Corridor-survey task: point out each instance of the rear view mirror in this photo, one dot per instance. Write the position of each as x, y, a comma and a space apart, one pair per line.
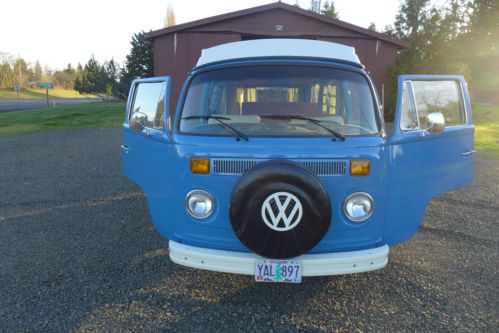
436, 123
138, 121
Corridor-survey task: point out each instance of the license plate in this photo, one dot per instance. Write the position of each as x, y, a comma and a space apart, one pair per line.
270, 270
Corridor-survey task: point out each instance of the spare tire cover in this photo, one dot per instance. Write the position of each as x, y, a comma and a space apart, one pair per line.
280, 210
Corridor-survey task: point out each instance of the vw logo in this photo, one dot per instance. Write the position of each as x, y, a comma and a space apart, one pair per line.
282, 211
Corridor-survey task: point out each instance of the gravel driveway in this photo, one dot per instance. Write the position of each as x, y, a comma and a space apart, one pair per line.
79, 253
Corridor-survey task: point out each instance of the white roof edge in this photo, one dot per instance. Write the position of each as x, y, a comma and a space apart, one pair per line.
261, 48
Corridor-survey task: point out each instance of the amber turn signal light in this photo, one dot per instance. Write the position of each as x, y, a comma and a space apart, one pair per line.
359, 167
200, 165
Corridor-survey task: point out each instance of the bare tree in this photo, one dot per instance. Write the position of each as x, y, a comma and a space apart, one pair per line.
170, 16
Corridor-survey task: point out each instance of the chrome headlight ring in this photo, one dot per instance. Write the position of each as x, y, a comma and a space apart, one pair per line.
199, 203
358, 206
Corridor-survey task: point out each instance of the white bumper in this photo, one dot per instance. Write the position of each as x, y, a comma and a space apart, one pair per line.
312, 264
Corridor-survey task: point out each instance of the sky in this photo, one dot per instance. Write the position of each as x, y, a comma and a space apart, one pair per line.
58, 32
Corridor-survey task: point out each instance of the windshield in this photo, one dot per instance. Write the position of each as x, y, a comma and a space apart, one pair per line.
269, 101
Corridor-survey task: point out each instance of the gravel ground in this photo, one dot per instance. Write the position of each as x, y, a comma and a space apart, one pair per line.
78, 253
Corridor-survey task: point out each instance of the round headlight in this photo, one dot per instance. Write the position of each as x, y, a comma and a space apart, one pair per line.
358, 206
199, 204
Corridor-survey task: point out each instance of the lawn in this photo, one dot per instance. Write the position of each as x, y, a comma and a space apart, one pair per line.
486, 120
62, 117
35, 93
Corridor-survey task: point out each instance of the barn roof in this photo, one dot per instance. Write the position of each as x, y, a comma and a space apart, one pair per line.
277, 5
278, 48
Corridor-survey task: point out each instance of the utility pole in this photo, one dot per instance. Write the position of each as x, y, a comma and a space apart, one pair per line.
20, 72
316, 6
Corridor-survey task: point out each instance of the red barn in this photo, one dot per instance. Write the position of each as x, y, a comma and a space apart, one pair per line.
177, 48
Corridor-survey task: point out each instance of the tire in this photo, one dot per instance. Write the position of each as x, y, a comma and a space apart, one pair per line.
269, 188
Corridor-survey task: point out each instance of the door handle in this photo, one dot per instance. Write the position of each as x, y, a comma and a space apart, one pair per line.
468, 153
125, 148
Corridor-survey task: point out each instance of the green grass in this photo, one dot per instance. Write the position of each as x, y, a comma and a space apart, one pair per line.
62, 118
35, 93
486, 120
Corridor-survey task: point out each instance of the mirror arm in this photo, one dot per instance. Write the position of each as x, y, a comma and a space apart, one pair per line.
425, 132
145, 128
140, 122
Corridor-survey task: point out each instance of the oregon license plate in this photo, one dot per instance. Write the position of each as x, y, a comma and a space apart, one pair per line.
271, 270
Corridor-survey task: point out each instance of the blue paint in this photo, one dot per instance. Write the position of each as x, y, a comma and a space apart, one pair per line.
407, 171
422, 167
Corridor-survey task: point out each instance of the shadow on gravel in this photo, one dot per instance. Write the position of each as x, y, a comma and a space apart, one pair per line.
458, 236
399, 298
69, 261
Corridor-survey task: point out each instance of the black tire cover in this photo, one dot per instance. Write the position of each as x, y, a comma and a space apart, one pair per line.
282, 180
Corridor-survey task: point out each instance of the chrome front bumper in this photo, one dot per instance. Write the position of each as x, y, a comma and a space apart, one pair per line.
313, 264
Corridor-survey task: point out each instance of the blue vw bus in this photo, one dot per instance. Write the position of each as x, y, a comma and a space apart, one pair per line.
277, 162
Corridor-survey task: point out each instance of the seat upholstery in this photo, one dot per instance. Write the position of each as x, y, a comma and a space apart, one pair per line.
281, 108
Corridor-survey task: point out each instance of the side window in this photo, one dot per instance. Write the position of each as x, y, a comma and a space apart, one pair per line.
150, 100
428, 97
408, 117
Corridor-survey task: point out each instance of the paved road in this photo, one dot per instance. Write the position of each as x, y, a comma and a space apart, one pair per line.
7, 105
78, 253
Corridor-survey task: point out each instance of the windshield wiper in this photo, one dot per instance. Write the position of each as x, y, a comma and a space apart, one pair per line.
312, 120
237, 133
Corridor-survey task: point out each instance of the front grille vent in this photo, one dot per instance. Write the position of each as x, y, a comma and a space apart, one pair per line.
234, 167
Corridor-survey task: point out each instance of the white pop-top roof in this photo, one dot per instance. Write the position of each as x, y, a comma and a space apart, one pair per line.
261, 48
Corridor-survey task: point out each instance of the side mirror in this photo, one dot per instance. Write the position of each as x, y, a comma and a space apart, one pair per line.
436, 123
138, 122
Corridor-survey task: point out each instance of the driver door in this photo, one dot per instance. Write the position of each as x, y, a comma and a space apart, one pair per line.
426, 158
146, 136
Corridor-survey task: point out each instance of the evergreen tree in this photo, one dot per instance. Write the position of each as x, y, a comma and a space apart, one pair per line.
410, 19
372, 26
94, 80
329, 9
139, 62
112, 71
79, 74
77, 84
484, 22
84, 86
37, 72
69, 70
433, 32
482, 37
